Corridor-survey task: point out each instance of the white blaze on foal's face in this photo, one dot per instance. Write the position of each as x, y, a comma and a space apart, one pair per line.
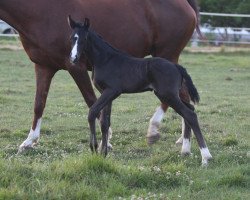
73, 54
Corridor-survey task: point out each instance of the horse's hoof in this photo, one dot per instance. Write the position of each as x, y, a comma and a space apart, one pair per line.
22, 149
153, 138
179, 141
204, 162
110, 147
185, 153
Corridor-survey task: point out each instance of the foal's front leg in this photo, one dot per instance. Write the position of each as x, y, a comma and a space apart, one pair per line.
106, 97
82, 79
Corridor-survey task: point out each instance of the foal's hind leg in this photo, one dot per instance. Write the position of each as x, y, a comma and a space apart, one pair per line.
186, 130
191, 118
44, 76
186, 140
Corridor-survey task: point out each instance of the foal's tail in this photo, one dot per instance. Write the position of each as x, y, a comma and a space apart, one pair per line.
194, 95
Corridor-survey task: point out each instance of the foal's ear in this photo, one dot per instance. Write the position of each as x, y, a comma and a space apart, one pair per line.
71, 22
86, 23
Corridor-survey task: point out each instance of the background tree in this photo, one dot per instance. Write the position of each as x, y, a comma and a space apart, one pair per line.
225, 6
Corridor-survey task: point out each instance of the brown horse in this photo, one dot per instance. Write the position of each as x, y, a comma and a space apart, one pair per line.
158, 27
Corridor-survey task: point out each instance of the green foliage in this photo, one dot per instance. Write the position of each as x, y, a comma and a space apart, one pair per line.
225, 6
230, 141
62, 167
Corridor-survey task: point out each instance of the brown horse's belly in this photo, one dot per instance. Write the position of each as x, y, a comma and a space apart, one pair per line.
174, 25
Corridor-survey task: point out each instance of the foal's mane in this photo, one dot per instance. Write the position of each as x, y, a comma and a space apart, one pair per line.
107, 46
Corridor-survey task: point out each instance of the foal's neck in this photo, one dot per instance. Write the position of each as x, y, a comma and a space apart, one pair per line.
98, 51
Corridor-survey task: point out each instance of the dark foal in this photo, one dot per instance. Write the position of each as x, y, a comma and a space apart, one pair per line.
115, 72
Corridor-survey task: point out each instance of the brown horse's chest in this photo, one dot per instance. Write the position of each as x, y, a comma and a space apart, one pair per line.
40, 56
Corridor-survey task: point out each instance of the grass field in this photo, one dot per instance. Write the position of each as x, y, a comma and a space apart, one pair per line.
62, 167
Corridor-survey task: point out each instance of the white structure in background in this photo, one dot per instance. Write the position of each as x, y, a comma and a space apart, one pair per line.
223, 35
6, 28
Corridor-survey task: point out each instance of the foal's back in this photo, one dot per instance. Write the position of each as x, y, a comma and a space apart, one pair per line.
164, 76
132, 75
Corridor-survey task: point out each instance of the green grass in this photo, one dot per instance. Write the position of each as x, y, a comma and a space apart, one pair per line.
62, 167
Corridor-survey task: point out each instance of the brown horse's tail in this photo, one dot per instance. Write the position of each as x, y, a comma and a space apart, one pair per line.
194, 5
193, 93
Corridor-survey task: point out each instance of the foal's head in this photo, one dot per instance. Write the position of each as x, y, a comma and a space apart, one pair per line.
78, 38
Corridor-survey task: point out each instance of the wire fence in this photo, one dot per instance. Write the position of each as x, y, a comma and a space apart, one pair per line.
216, 36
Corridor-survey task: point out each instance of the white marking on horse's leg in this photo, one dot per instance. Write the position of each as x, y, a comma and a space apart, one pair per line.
155, 121
186, 146
32, 138
73, 53
180, 140
205, 154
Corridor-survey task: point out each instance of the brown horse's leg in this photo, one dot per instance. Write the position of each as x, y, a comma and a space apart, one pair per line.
81, 77
44, 76
153, 134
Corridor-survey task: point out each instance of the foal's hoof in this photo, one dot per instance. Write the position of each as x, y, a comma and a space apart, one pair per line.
110, 147
151, 139
206, 156
204, 162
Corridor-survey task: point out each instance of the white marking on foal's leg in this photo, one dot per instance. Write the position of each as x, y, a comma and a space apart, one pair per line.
73, 53
186, 146
205, 154
180, 140
110, 147
32, 138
